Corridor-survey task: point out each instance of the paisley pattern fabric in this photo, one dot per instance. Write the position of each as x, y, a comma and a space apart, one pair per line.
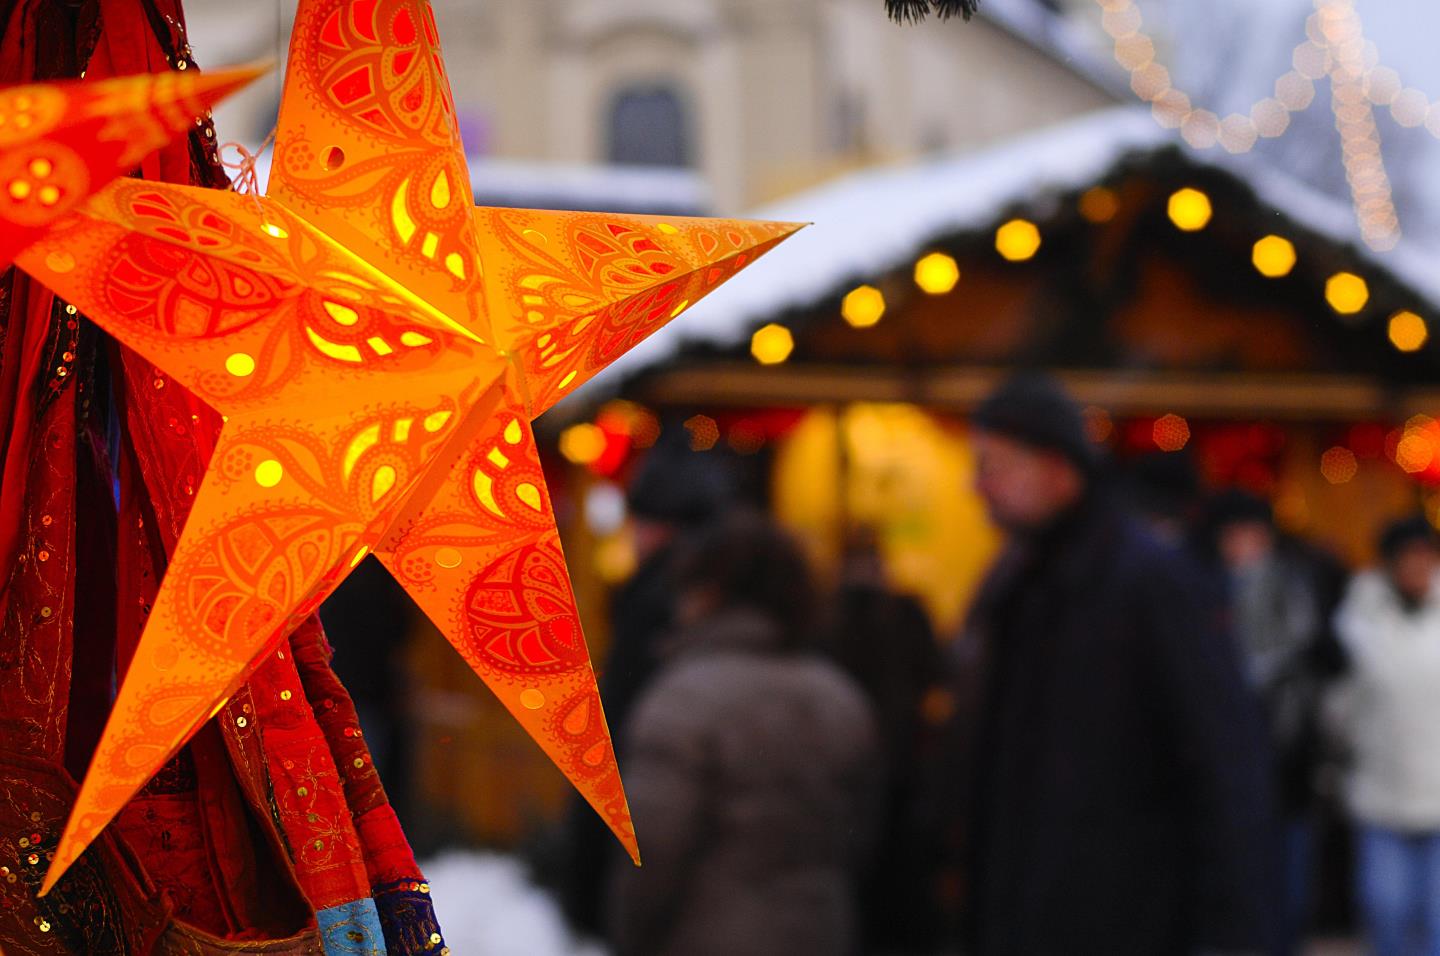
215, 854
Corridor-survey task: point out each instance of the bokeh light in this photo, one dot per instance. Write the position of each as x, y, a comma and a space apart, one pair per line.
1416, 451
863, 307
1189, 209
1099, 204
704, 432
645, 428
1347, 293
1339, 465
1416, 447
1018, 240
1408, 331
937, 273
582, 444
1274, 256
1171, 433
772, 344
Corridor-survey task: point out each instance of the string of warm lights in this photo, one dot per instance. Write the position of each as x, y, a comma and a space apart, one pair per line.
1313, 59
1355, 120
1334, 47
1019, 240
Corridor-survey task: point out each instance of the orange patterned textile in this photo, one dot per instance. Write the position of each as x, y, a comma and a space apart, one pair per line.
379, 348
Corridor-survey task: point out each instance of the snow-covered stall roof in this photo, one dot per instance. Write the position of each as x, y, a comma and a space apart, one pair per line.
876, 221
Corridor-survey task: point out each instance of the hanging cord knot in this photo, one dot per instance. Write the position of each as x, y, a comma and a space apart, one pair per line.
245, 181
913, 11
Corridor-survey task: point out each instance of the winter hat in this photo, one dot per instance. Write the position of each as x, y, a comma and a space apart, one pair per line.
676, 485
1405, 533
1033, 409
1238, 506
1163, 483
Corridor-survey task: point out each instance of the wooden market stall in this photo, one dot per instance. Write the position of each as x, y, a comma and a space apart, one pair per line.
1195, 309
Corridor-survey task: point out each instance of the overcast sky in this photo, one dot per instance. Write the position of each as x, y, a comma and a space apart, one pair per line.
1233, 50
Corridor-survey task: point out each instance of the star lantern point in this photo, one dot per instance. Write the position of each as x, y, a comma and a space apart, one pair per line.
61, 142
380, 348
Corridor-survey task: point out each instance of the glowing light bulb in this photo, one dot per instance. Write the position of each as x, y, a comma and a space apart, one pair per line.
1099, 204
1408, 332
863, 307
1017, 240
1189, 209
582, 444
937, 273
1347, 293
1273, 256
772, 345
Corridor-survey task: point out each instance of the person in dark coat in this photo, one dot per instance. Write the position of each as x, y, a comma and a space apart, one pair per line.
1119, 798
751, 768
884, 640
1279, 601
675, 492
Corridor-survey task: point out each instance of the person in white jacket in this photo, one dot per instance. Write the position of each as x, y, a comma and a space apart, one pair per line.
1390, 626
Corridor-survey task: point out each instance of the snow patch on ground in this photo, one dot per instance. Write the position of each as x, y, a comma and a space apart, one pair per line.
488, 906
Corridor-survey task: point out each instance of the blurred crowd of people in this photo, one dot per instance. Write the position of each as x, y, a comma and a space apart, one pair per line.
1157, 702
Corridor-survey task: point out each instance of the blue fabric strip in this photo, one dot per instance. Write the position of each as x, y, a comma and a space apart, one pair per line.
352, 929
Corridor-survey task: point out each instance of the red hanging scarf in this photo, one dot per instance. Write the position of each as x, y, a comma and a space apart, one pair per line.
284, 758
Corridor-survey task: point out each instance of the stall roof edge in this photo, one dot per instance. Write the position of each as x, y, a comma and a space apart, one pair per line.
873, 221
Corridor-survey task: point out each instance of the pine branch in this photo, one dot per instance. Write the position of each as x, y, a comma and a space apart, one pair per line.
913, 11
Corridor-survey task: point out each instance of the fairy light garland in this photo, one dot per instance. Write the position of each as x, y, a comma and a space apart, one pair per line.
1335, 48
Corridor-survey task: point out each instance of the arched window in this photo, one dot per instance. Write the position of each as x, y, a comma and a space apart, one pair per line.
649, 126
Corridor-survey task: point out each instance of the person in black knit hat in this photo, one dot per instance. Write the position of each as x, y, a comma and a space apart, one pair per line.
1034, 410
1108, 762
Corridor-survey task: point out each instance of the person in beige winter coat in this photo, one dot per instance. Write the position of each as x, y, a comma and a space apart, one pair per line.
751, 768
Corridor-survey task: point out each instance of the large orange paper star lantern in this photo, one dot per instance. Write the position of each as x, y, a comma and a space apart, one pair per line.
60, 142
379, 348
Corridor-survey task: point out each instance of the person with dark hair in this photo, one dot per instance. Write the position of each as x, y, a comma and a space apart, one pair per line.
750, 765
1390, 625
1278, 607
675, 492
1118, 785
1163, 489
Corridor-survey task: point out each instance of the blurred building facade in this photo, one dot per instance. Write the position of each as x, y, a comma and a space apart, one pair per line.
755, 98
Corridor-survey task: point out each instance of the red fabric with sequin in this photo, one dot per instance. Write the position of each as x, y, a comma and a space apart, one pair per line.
79, 574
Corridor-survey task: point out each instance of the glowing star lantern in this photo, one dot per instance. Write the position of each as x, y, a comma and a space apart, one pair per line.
379, 347
60, 142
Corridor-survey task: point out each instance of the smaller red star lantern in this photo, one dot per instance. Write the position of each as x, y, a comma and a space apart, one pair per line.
61, 142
